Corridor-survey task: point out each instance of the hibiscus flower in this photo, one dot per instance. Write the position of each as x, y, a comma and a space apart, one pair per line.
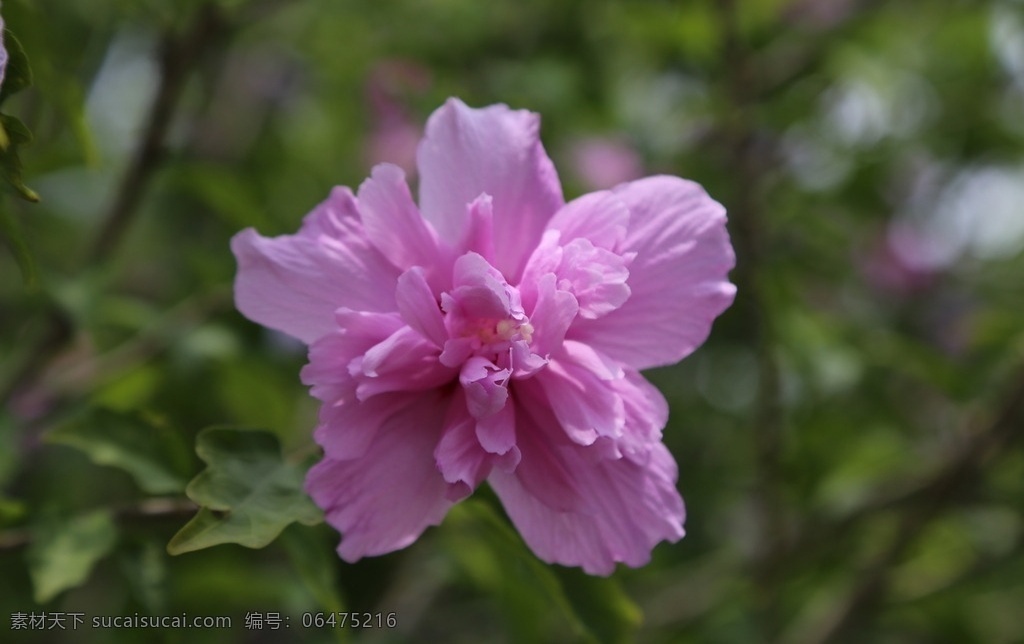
494, 333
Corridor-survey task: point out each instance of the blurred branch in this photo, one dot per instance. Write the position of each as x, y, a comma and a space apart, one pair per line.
180, 53
946, 482
173, 324
793, 58
56, 331
155, 508
747, 163
921, 506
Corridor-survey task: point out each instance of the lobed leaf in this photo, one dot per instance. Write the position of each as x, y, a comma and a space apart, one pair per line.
247, 494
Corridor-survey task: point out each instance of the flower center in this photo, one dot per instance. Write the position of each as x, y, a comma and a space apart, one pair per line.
484, 317
501, 331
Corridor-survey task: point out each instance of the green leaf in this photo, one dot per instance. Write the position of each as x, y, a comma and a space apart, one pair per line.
316, 563
497, 561
9, 447
248, 494
18, 74
145, 569
13, 135
63, 553
604, 608
11, 510
152, 453
11, 233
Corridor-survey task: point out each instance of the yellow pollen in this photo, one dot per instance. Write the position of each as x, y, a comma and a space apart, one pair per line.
505, 329
526, 330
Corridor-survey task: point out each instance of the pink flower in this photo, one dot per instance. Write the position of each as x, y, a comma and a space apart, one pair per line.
494, 333
604, 162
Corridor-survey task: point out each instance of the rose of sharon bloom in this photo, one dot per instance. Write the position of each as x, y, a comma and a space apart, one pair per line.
494, 332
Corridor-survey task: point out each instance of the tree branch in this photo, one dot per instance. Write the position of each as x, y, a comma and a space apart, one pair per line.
180, 53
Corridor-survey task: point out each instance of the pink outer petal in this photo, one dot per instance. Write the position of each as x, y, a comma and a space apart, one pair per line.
646, 413
585, 406
494, 150
600, 217
383, 500
589, 511
678, 279
295, 283
347, 428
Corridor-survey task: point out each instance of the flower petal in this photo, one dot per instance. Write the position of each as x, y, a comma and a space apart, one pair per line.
584, 405
404, 361
597, 277
418, 306
484, 384
329, 357
552, 316
479, 236
480, 290
295, 283
347, 428
646, 414
608, 510
393, 223
678, 279
600, 217
459, 456
494, 150
383, 500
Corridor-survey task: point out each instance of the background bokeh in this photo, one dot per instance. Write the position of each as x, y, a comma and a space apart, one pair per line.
848, 438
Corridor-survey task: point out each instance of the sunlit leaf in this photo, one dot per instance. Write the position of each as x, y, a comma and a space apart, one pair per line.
11, 233
18, 74
248, 493
150, 452
11, 510
13, 135
63, 553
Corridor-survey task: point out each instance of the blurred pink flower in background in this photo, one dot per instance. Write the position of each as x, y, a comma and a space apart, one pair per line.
394, 135
602, 162
886, 266
494, 332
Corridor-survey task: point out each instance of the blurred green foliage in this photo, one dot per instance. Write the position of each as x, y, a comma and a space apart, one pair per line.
848, 438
